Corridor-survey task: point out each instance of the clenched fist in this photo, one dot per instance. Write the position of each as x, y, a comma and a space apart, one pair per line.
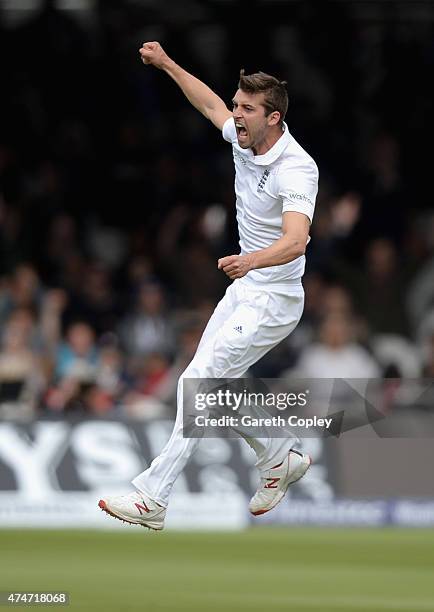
153, 53
236, 266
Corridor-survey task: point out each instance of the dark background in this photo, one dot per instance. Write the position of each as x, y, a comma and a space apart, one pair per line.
116, 196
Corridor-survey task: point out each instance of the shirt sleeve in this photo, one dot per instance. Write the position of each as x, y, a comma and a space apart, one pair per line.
229, 131
298, 190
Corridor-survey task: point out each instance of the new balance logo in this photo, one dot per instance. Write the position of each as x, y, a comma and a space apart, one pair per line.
239, 329
272, 484
140, 507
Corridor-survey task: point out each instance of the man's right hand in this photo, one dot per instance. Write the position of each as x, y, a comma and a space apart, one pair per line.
153, 53
197, 93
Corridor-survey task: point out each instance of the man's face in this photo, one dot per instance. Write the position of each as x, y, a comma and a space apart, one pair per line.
250, 121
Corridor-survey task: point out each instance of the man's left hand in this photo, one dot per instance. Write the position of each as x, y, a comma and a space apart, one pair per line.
235, 266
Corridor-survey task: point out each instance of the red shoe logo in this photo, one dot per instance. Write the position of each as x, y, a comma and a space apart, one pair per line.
272, 484
140, 507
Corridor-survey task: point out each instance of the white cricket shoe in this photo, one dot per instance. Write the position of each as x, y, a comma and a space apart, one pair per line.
275, 482
135, 508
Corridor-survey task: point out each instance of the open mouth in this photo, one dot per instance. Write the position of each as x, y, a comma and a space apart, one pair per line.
241, 131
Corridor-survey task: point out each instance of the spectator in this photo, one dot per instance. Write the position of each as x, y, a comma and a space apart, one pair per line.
379, 289
147, 329
21, 376
336, 354
77, 357
24, 290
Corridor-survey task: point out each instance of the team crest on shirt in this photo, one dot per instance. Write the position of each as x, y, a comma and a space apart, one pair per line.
263, 180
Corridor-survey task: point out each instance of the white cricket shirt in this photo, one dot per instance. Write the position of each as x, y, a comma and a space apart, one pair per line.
284, 179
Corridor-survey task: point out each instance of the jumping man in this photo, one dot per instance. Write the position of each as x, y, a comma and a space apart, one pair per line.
276, 183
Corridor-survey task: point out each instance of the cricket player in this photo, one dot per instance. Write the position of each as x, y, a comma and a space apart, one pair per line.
276, 183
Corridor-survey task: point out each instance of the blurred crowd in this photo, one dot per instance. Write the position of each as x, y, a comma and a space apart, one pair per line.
116, 198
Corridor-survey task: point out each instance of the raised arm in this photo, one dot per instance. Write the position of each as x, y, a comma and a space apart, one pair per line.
199, 94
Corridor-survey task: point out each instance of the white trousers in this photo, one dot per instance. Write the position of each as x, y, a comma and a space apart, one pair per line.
266, 316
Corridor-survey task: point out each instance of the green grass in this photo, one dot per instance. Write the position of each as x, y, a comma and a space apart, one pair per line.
258, 570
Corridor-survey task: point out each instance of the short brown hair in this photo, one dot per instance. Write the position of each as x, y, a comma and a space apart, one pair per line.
275, 94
